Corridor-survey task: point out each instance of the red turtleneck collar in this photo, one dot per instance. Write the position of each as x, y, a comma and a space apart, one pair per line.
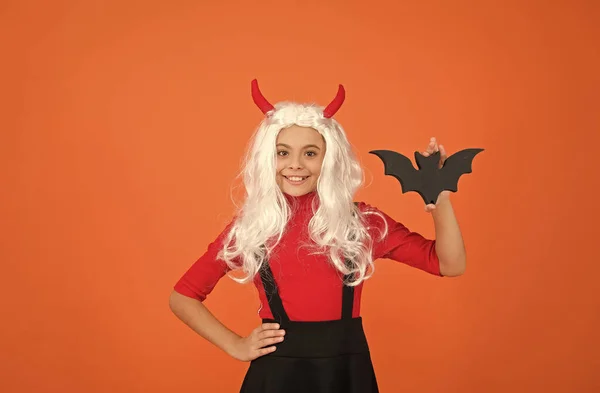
301, 202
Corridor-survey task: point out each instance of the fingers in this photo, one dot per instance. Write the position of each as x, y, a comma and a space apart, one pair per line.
256, 353
431, 148
429, 208
443, 153
266, 337
270, 334
261, 341
268, 326
264, 351
269, 341
269, 330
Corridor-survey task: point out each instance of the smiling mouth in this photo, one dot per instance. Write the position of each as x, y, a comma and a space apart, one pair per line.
296, 179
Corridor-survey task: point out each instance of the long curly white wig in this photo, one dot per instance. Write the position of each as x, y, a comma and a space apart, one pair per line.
337, 227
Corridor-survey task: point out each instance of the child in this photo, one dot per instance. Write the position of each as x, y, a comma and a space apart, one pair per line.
308, 248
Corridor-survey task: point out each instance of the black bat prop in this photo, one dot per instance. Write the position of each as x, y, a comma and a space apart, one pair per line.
429, 180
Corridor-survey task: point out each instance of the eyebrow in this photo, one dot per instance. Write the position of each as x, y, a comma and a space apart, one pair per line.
305, 147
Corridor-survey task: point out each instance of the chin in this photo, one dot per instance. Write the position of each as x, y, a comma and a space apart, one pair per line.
296, 191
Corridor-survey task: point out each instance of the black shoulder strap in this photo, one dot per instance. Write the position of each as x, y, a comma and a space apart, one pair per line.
272, 294
347, 294
347, 300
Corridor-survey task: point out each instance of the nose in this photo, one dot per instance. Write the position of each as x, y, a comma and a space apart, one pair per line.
295, 162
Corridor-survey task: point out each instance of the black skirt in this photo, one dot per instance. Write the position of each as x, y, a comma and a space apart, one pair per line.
315, 357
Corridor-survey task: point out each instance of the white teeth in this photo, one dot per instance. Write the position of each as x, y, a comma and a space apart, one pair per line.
295, 178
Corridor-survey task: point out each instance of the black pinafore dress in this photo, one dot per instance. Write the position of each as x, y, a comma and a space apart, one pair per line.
314, 357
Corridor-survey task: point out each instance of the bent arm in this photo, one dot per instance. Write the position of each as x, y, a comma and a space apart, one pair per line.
197, 316
192, 288
401, 244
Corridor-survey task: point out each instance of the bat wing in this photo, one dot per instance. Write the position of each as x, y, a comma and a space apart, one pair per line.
400, 167
455, 166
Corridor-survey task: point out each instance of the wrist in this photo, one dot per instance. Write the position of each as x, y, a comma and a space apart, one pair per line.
231, 344
443, 198
442, 207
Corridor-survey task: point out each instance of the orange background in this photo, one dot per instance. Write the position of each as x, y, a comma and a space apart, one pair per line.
123, 126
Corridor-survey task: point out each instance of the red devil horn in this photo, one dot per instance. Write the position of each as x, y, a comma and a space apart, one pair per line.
337, 102
259, 99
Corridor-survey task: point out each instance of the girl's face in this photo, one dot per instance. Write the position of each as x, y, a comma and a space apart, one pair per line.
300, 152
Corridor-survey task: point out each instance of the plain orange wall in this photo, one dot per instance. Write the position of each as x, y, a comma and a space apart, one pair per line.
123, 126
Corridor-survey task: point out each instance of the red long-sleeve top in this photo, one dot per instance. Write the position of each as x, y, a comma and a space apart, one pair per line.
309, 286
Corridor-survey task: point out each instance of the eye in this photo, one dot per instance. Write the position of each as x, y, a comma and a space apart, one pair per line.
311, 153
282, 153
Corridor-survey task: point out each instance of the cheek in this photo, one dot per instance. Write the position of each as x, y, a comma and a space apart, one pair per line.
279, 165
315, 167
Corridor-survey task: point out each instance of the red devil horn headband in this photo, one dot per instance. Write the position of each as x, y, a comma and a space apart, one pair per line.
265, 106
336, 103
259, 99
